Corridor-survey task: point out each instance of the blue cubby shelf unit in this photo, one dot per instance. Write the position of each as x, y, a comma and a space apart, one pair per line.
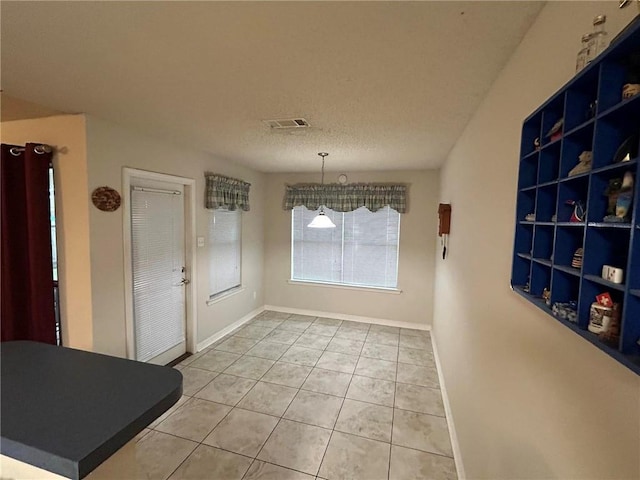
596, 119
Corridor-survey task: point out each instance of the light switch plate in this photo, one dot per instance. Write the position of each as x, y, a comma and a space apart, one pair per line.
200, 241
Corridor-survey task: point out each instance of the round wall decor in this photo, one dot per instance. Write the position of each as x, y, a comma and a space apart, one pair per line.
342, 179
106, 199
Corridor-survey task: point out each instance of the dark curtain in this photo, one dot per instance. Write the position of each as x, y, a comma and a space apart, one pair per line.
27, 271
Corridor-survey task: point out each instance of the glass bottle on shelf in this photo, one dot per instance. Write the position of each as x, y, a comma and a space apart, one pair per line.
581, 59
600, 40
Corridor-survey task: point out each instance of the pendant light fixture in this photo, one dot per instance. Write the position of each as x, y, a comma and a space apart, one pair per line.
321, 220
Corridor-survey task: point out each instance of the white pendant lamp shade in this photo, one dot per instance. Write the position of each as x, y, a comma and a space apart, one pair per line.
321, 220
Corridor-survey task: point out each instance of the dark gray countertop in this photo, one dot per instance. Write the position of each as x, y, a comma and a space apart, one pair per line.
67, 410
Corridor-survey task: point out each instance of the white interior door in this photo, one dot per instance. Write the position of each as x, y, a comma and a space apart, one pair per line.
158, 270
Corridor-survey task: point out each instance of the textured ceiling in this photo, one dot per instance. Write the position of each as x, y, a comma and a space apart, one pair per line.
385, 85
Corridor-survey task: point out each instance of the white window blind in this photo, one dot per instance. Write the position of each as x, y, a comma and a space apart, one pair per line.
157, 236
362, 250
225, 244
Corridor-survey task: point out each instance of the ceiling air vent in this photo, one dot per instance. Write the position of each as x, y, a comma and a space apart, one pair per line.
288, 123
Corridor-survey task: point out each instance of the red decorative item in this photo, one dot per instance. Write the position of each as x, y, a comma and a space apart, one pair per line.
604, 299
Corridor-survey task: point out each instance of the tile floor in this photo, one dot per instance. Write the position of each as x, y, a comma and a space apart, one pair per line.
291, 397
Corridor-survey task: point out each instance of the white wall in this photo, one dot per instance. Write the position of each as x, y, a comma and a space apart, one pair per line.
109, 149
418, 229
67, 134
530, 399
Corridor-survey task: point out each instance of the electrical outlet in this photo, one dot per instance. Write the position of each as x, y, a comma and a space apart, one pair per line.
200, 241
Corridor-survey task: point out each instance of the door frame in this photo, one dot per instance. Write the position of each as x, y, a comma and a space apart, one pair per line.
191, 318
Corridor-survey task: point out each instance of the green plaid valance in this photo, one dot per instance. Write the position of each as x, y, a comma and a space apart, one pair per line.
226, 192
346, 198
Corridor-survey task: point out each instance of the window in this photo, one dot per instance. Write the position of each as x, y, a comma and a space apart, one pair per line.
361, 251
225, 240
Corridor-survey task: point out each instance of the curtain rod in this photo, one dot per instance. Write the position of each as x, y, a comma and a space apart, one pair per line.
39, 149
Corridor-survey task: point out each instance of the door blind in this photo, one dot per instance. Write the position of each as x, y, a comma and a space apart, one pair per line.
157, 231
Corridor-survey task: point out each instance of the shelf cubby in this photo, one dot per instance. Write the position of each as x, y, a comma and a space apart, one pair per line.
551, 113
573, 145
599, 120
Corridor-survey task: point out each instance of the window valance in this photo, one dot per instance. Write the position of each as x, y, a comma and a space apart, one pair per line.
226, 192
346, 198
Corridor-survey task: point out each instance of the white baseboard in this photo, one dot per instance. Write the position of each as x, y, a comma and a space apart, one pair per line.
455, 446
353, 318
228, 329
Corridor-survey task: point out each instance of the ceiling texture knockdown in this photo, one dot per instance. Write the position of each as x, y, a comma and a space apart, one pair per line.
384, 85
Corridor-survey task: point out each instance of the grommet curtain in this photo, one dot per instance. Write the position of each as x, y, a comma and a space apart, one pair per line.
347, 198
28, 311
226, 192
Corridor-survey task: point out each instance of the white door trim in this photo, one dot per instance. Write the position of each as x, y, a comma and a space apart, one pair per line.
189, 253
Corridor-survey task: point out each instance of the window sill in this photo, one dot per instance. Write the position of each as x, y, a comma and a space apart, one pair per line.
392, 291
224, 295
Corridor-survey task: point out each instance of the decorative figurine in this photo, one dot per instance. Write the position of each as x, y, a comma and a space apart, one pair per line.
577, 258
620, 193
591, 110
631, 88
530, 217
556, 131
584, 163
578, 211
627, 150
546, 296
536, 144
566, 311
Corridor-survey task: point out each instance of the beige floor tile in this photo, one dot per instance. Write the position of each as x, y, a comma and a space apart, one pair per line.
301, 356
356, 325
193, 379
372, 367
314, 408
422, 432
268, 398
372, 390
266, 471
381, 338
414, 356
327, 381
152, 457
302, 318
227, 389
297, 446
175, 406
365, 420
295, 326
338, 362
384, 329
421, 343
351, 333
419, 399
212, 463
408, 464
319, 329
381, 352
413, 332
250, 367
345, 345
236, 345
256, 332
266, 349
287, 374
215, 360
355, 458
267, 322
283, 336
417, 375
308, 340
333, 322
194, 420
243, 432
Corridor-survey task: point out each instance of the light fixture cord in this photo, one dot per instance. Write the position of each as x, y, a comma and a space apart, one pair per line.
322, 178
